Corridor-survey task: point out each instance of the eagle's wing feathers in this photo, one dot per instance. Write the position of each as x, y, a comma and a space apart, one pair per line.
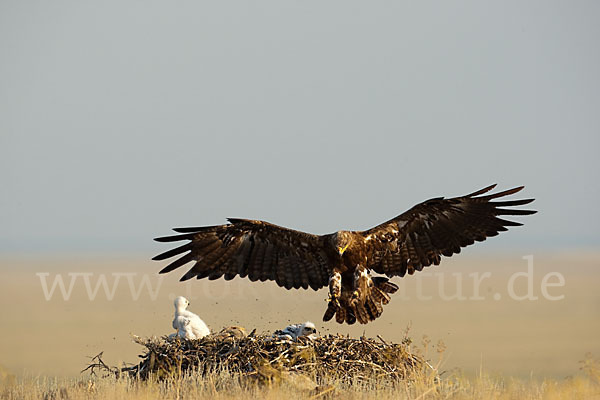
439, 226
256, 249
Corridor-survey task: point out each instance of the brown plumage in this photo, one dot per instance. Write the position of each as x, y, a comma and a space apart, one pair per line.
343, 260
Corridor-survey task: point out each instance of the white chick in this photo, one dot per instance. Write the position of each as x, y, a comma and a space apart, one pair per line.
187, 324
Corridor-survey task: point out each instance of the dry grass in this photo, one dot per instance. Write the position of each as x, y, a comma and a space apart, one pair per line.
225, 379
225, 385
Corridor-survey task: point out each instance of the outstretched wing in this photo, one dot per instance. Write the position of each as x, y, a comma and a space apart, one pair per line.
438, 227
256, 249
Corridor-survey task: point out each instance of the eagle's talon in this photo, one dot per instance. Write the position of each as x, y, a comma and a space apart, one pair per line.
334, 299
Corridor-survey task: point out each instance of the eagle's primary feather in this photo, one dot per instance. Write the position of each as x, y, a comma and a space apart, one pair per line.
254, 249
343, 260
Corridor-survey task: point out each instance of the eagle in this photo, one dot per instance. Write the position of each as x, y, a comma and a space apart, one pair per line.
345, 261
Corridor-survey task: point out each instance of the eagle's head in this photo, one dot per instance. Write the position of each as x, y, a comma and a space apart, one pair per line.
342, 240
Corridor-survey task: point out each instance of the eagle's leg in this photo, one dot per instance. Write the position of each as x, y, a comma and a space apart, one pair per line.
361, 286
335, 292
361, 283
335, 288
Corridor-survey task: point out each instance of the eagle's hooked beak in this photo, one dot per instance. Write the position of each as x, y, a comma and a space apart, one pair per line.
341, 250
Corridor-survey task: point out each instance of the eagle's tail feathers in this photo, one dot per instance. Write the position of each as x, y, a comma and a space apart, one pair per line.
350, 317
330, 312
381, 290
361, 312
369, 308
340, 315
374, 306
379, 296
384, 284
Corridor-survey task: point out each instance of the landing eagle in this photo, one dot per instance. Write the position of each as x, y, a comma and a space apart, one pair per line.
344, 260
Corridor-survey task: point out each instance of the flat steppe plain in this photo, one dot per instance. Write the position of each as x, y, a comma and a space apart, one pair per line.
474, 303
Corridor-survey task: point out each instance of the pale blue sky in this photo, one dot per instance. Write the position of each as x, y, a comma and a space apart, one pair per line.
122, 119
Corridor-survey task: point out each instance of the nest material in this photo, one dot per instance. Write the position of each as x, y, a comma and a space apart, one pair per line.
266, 358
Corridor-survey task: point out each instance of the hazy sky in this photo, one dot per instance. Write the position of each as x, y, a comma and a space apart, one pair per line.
122, 119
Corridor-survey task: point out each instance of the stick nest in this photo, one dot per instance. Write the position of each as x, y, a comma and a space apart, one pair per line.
266, 358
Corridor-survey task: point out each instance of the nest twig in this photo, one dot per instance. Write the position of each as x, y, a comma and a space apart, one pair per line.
97, 364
